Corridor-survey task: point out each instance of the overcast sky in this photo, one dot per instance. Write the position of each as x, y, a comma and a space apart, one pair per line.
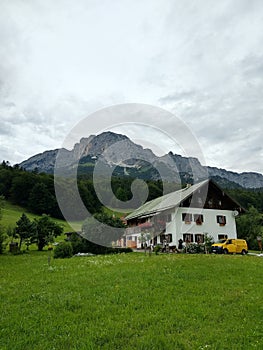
201, 60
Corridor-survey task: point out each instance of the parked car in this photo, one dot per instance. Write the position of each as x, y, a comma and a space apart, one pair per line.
230, 245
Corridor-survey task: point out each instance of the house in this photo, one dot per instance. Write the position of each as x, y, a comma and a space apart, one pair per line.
187, 214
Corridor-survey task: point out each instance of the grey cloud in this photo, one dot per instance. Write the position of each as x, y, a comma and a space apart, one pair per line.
252, 67
228, 125
61, 61
6, 129
9, 104
177, 96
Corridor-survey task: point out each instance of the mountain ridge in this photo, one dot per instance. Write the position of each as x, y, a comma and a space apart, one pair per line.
118, 151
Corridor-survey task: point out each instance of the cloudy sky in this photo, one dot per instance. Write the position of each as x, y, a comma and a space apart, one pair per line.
201, 60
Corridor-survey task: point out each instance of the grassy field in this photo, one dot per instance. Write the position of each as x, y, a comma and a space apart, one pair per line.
12, 213
131, 301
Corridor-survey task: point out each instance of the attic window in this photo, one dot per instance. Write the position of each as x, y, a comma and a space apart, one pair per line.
221, 220
199, 219
187, 217
210, 203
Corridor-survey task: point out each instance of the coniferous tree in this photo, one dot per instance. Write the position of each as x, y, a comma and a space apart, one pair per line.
25, 230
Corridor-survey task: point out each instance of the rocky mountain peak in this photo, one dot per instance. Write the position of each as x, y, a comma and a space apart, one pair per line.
100, 143
80, 147
117, 150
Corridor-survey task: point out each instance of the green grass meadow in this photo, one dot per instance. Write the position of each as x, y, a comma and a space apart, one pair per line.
131, 301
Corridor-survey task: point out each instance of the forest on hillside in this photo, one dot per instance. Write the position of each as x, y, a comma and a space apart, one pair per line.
35, 191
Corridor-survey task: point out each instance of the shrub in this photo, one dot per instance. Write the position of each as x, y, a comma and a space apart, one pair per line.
63, 250
2, 239
208, 241
157, 249
82, 245
194, 248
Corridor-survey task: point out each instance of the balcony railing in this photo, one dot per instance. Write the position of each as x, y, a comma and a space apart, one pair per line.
156, 227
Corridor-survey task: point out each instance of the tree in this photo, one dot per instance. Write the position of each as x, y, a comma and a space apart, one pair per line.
63, 250
88, 196
25, 230
2, 234
208, 241
103, 229
11, 232
144, 238
2, 239
1, 205
41, 201
249, 226
45, 231
6, 178
248, 197
21, 186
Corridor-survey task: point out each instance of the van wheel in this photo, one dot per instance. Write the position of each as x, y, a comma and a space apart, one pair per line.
244, 252
225, 251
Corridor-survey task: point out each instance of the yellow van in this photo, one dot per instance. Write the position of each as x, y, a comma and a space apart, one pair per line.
230, 245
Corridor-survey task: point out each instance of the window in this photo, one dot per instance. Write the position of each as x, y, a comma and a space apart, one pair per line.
169, 238
188, 237
222, 236
210, 203
199, 238
221, 220
166, 238
187, 218
199, 219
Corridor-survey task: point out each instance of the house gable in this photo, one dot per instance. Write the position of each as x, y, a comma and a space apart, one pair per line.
211, 197
205, 195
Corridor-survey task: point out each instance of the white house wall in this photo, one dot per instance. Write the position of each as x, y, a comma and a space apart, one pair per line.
177, 227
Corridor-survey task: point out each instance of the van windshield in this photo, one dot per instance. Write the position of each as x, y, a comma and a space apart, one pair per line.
221, 241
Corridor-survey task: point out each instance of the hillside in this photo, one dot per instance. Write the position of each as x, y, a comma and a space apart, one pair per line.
11, 214
122, 157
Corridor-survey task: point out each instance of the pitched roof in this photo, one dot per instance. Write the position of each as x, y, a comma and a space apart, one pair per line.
167, 201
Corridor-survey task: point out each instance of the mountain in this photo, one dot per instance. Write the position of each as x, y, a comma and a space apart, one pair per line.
246, 179
122, 157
